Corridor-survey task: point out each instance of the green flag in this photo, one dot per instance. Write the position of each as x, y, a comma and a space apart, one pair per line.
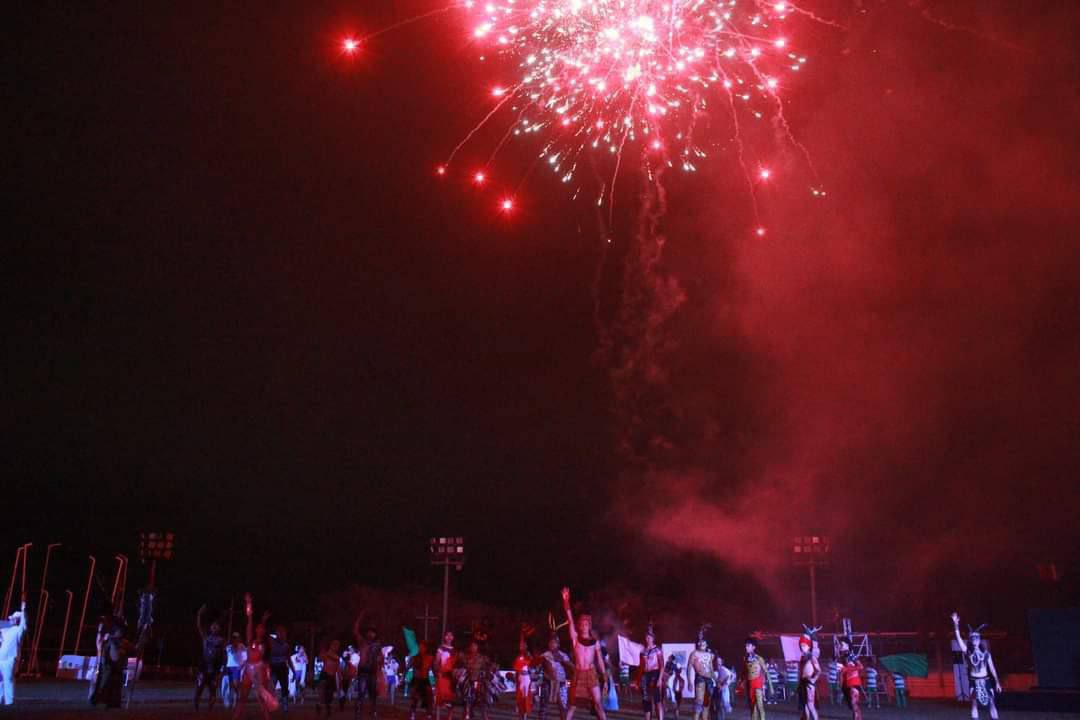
410, 640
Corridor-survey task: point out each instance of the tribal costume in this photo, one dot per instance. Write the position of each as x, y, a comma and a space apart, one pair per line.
701, 660
850, 679
809, 674
757, 676
985, 684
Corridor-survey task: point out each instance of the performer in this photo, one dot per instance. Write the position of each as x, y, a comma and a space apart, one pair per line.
850, 680
235, 657
980, 667
213, 657
109, 684
672, 680
368, 668
330, 678
522, 679
255, 675
588, 665
720, 705
702, 661
476, 687
420, 685
299, 674
280, 663
651, 663
757, 676
10, 637
555, 687
809, 674
446, 658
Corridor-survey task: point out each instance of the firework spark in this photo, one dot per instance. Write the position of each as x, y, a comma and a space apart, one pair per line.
607, 75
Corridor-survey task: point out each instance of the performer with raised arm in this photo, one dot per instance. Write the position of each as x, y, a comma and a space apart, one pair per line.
651, 664
985, 684
255, 674
850, 680
212, 659
757, 677
809, 674
588, 665
702, 660
10, 637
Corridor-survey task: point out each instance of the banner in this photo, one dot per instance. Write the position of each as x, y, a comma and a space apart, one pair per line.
630, 651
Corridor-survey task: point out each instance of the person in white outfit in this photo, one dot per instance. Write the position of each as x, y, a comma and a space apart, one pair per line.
10, 637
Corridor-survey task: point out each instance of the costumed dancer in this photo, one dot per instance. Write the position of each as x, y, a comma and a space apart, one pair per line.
522, 679
368, 668
757, 677
850, 678
985, 684
555, 686
329, 678
109, 684
720, 704
420, 686
588, 665
672, 681
476, 687
281, 667
235, 657
809, 674
703, 662
10, 638
213, 657
651, 664
446, 658
255, 675
299, 674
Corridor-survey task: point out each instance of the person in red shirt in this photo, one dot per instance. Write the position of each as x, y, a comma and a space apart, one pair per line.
522, 679
420, 688
850, 677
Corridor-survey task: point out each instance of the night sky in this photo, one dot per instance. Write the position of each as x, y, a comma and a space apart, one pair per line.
240, 306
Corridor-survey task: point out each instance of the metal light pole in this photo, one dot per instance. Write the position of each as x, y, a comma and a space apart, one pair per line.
86, 601
811, 551
35, 642
426, 617
20, 556
447, 551
43, 597
119, 584
63, 635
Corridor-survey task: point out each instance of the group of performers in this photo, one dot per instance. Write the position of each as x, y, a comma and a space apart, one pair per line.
552, 679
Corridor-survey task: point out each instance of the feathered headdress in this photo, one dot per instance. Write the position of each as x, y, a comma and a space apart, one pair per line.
705, 627
807, 638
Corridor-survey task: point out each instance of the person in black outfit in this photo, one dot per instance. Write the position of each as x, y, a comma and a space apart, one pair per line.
212, 659
281, 663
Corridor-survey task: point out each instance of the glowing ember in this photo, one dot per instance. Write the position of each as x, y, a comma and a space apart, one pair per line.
350, 45
507, 205
479, 178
